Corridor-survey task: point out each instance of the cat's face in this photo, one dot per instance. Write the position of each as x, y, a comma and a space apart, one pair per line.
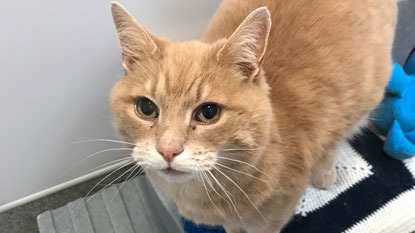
188, 106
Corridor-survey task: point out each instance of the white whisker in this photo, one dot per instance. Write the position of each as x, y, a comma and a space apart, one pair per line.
97, 153
142, 170
226, 193
213, 188
248, 164
246, 195
243, 149
106, 186
126, 179
109, 163
102, 140
247, 174
103, 180
207, 192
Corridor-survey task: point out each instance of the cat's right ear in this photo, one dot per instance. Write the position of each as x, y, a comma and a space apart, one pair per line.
246, 47
136, 42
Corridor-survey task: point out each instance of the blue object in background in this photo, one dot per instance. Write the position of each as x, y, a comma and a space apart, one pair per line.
395, 116
191, 227
410, 63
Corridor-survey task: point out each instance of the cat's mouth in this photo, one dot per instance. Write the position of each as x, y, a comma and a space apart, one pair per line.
173, 172
175, 176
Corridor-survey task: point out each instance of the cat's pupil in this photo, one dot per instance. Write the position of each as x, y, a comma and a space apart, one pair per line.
209, 111
147, 107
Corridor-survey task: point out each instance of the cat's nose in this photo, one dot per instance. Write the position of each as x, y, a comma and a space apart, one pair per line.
169, 152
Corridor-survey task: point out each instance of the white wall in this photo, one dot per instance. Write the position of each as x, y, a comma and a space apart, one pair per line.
58, 61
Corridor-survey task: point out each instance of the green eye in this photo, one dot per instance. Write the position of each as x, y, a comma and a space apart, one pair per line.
208, 113
146, 108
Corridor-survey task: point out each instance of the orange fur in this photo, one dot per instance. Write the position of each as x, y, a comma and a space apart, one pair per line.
325, 68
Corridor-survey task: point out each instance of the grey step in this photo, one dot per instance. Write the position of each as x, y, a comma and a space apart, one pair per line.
130, 207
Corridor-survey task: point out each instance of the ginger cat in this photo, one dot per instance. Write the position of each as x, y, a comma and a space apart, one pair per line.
235, 125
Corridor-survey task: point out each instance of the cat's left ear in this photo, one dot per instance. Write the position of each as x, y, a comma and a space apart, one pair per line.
246, 47
136, 42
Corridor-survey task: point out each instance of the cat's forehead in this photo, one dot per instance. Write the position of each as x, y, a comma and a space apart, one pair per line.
187, 58
187, 74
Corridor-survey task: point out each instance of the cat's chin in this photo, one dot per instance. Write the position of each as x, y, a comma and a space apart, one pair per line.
174, 176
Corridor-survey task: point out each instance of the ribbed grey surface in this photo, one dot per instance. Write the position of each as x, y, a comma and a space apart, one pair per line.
132, 207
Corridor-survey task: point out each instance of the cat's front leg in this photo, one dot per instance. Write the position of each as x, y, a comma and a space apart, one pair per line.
324, 172
232, 229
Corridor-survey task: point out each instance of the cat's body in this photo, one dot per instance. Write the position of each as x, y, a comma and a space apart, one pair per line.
326, 66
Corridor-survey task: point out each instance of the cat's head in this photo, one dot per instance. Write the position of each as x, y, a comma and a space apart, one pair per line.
187, 106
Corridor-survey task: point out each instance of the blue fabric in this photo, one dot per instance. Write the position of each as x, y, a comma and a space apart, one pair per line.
411, 136
191, 227
410, 63
397, 144
399, 81
395, 116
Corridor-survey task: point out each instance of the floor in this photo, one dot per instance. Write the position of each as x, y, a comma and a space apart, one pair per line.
23, 218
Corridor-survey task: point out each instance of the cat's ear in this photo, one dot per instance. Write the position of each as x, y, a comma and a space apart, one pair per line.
136, 42
247, 45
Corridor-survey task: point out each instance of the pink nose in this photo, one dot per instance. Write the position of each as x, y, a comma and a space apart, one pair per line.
169, 152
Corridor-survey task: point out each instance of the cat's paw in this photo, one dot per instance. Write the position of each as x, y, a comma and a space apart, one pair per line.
235, 230
324, 179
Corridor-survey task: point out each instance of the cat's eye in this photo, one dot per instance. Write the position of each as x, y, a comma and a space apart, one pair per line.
146, 108
208, 113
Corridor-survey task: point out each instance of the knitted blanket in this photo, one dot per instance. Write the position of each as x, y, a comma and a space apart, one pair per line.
373, 193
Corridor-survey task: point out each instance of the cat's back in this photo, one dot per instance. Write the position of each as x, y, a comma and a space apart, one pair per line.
310, 34
323, 57
300, 27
